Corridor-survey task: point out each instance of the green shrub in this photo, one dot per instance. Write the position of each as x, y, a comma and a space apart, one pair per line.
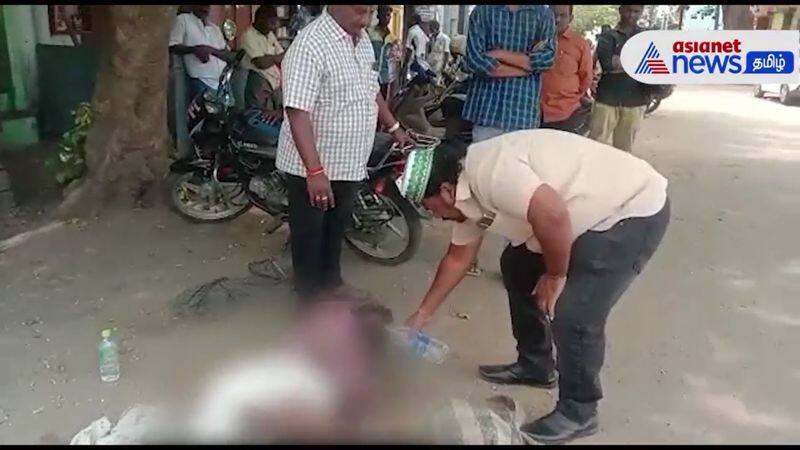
69, 162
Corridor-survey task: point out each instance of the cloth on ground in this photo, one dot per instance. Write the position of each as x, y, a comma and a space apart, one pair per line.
496, 422
135, 425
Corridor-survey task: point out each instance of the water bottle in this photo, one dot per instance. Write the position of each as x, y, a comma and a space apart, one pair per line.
108, 357
420, 344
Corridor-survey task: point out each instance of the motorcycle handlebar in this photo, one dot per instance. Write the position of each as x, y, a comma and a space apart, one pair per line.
239, 56
421, 141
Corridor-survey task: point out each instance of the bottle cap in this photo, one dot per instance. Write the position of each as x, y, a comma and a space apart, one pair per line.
106, 333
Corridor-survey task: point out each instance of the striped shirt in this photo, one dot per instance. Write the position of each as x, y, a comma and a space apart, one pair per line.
507, 103
325, 74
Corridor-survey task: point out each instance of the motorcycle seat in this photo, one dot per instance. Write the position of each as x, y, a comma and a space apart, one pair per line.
248, 129
253, 136
452, 106
383, 143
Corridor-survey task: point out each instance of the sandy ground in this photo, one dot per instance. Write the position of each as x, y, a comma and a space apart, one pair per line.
699, 349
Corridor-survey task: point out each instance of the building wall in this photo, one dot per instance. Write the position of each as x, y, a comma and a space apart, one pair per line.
789, 17
450, 19
42, 27
26, 26
21, 35
777, 21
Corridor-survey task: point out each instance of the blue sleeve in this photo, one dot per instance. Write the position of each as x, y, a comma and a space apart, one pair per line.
476, 61
543, 59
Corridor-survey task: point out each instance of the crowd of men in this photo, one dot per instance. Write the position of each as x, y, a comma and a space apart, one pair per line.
580, 218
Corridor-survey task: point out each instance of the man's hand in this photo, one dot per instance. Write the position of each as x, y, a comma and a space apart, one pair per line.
272, 117
519, 60
496, 53
203, 53
547, 291
320, 194
418, 320
538, 46
402, 138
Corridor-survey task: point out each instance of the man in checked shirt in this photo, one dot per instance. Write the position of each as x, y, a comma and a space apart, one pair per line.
508, 47
332, 102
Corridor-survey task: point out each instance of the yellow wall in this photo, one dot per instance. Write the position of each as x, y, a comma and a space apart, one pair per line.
396, 22
777, 21
780, 16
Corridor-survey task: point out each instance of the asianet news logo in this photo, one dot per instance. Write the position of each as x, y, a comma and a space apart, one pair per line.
712, 57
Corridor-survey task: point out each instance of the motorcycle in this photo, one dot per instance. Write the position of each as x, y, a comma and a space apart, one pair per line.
448, 83
412, 102
659, 94
456, 127
232, 170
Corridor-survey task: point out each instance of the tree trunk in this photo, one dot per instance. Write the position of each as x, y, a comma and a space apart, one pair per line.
737, 17
127, 146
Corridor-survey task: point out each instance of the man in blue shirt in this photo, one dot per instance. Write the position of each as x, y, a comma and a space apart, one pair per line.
508, 46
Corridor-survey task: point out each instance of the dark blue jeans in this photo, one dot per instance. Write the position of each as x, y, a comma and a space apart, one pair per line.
602, 267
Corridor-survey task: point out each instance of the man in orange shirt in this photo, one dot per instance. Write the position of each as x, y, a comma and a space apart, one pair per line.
569, 79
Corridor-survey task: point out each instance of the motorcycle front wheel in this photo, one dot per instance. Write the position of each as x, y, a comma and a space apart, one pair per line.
197, 198
388, 233
652, 105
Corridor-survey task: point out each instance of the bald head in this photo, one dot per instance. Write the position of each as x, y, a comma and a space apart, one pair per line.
352, 18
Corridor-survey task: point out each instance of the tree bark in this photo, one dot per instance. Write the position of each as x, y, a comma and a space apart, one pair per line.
127, 146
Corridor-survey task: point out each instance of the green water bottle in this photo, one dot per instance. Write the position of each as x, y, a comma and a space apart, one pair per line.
108, 357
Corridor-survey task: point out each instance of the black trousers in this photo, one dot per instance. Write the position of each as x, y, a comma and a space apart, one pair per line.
602, 267
316, 235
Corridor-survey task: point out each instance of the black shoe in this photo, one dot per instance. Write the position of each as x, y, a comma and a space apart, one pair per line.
489, 369
556, 428
515, 374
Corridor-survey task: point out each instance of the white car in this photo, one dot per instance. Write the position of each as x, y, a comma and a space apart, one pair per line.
787, 93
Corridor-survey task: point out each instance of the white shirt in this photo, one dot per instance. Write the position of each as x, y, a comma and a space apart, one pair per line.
190, 30
440, 48
325, 74
600, 184
417, 42
257, 45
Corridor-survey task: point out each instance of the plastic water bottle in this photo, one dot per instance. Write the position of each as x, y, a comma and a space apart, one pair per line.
108, 358
420, 344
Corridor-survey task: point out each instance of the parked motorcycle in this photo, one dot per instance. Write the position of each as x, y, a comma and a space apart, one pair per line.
232, 170
410, 103
450, 81
659, 93
456, 127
